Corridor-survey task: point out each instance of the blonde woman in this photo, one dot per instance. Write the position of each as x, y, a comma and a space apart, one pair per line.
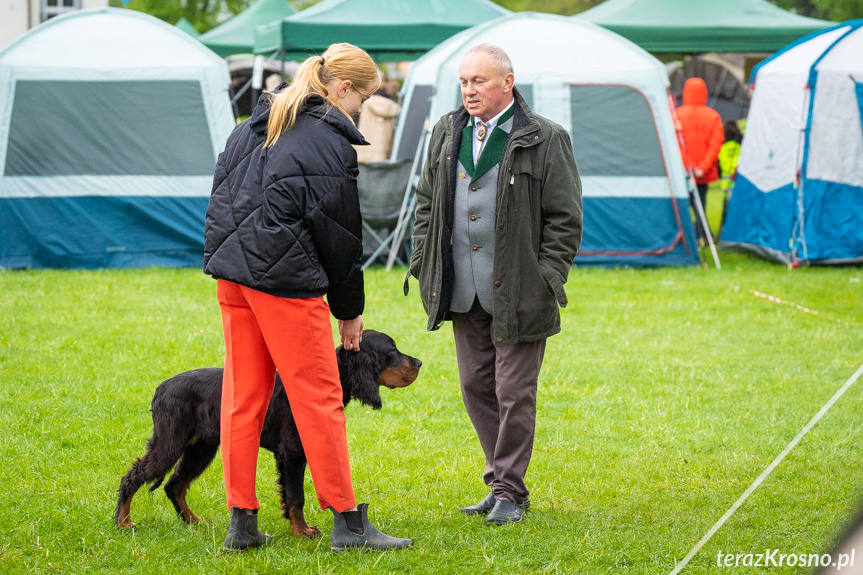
283, 228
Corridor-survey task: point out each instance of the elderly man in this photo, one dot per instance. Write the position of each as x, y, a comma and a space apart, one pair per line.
498, 223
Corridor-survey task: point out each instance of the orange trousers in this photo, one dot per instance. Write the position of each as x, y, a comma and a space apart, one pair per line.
264, 333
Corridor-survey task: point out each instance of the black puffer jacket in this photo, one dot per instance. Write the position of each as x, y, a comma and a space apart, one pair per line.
285, 220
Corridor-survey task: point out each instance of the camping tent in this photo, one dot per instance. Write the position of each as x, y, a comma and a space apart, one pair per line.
110, 124
237, 34
799, 189
701, 25
612, 97
389, 30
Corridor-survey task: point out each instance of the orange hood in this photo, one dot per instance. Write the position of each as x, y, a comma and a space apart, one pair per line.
695, 92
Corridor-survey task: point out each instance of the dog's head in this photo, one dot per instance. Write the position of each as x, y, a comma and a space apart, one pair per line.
379, 362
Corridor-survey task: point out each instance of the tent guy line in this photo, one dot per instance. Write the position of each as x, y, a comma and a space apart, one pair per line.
679, 567
775, 299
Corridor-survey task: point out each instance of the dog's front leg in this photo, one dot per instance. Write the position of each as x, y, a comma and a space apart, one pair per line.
292, 470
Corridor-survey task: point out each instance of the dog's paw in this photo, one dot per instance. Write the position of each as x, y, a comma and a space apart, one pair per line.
309, 532
126, 524
190, 518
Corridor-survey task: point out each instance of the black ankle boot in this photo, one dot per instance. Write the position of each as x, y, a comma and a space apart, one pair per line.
344, 538
243, 531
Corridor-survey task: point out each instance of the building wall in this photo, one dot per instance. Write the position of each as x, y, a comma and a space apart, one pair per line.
19, 16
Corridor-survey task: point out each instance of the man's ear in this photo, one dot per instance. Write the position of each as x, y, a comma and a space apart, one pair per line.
508, 82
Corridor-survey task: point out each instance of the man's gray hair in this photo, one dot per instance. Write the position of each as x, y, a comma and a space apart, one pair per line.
499, 58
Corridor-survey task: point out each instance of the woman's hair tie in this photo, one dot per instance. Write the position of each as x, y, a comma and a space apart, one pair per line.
322, 60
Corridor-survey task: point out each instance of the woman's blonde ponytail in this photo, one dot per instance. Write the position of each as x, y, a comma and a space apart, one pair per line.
340, 61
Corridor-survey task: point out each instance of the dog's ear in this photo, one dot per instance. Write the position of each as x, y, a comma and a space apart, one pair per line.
364, 374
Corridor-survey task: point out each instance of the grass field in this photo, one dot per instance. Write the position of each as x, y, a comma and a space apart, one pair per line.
668, 392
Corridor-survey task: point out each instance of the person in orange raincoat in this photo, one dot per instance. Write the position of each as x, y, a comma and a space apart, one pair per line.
703, 136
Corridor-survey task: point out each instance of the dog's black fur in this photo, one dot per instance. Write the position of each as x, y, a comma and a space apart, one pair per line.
186, 411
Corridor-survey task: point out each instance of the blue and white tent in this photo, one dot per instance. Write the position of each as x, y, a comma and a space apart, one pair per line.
799, 190
110, 124
612, 98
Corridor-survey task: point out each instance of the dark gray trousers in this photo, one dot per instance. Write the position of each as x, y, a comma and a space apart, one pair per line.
498, 387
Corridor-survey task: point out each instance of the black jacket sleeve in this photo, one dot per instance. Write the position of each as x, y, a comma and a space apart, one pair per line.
336, 228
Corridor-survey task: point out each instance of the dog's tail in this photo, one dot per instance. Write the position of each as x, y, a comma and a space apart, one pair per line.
157, 483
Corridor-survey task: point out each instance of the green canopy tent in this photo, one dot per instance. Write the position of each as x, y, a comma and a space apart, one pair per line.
237, 35
187, 27
389, 30
690, 26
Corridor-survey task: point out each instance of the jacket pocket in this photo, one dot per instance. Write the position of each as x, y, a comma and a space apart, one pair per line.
532, 300
428, 279
554, 284
415, 260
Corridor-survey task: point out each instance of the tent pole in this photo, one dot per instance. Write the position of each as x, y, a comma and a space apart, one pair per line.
404, 212
699, 210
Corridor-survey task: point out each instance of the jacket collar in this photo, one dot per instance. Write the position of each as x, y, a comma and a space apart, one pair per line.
316, 106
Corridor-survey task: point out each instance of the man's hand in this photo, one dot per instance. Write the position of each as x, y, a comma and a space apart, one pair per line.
351, 332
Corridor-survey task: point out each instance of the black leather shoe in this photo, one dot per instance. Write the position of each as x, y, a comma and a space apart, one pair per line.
507, 512
482, 507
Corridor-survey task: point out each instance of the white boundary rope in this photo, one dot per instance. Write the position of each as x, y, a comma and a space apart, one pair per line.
767, 471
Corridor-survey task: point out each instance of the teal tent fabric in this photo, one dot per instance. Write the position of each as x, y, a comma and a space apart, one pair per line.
187, 27
389, 30
702, 25
237, 35
145, 143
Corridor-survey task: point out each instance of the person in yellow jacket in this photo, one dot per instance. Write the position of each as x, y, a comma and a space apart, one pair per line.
729, 153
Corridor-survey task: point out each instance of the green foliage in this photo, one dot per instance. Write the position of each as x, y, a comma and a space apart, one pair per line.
666, 394
841, 10
837, 10
802, 7
563, 7
203, 14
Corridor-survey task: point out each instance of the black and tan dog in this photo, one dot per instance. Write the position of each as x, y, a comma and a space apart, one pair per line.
186, 411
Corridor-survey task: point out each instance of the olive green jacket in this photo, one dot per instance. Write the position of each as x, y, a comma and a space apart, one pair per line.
537, 230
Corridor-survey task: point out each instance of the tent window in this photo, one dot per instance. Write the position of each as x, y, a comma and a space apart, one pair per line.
613, 132
152, 128
526, 91
51, 8
415, 117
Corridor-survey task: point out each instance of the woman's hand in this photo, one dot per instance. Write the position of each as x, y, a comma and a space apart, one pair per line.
351, 332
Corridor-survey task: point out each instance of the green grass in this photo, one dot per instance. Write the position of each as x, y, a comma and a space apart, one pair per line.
668, 392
